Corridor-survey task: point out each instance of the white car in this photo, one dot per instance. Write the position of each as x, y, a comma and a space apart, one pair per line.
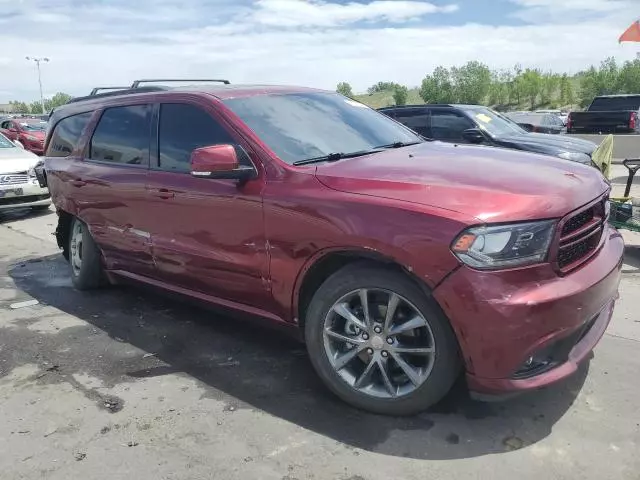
19, 187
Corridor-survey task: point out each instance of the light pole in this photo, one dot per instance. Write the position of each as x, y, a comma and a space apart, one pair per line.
38, 60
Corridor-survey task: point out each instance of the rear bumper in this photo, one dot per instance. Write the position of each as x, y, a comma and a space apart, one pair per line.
23, 195
502, 319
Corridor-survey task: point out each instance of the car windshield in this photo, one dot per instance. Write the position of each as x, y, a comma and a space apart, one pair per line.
302, 126
493, 123
34, 127
5, 142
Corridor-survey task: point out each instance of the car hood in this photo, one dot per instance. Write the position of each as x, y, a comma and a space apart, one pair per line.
16, 160
488, 184
553, 144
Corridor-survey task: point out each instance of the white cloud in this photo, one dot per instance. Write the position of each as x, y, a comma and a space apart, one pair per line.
299, 13
564, 11
113, 46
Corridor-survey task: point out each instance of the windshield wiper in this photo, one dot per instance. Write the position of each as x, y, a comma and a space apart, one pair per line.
398, 144
334, 157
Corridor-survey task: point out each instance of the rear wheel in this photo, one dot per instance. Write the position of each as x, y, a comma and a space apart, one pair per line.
379, 342
84, 257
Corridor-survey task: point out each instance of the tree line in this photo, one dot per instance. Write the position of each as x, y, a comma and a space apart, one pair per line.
475, 83
35, 107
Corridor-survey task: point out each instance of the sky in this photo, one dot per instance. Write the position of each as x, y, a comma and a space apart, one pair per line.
296, 42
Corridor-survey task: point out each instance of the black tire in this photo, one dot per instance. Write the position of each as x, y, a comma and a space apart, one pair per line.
446, 365
90, 274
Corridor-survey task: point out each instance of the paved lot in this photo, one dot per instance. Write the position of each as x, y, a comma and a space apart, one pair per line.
124, 383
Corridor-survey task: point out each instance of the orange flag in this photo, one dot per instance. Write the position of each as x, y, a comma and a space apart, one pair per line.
631, 34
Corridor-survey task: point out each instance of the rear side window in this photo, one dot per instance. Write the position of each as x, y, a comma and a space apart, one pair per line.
602, 104
182, 129
122, 136
66, 135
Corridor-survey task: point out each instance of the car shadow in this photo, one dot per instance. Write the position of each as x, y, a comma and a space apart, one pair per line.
251, 367
23, 213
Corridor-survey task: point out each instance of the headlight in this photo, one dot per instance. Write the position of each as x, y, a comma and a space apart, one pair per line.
502, 246
32, 172
31, 138
576, 157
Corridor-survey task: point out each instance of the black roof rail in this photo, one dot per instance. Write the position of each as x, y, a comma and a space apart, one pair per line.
136, 83
97, 89
115, 93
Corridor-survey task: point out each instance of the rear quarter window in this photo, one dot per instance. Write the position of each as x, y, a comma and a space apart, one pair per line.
66, 135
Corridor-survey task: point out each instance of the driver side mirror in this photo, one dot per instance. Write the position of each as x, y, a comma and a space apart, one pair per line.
473, 135
220, 162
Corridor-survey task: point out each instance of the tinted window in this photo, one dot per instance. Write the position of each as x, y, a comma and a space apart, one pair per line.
416, 119
603, 104
6, 124
122, 136
299, 126
184, 128
448, 125
66, 134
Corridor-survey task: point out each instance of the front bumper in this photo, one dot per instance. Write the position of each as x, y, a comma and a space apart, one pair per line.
504, 318
23, 195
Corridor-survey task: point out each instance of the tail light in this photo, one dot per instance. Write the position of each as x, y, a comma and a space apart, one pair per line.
633, 120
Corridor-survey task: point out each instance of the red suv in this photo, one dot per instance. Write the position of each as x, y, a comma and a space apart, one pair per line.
27, 132
400, 262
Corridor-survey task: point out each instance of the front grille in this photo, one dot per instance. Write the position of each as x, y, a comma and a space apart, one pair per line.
14, 178
580, 236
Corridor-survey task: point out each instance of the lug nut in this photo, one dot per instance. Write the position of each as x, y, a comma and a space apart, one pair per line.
385, 354
370, 351
390, 340
377, 329
365, 336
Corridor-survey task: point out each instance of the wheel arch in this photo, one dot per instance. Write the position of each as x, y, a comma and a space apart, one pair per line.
326, 263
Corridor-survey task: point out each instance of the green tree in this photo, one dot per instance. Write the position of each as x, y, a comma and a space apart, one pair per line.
471, 82
549, 90
629, 77
400, 94
382, 87
566, 91
437, 87
343, 88
35, 108
531, 85
19, 107
515, 87
56, 101
604, 80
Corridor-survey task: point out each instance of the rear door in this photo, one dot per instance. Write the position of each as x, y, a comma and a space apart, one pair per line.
208, 235
110, 187
9, 130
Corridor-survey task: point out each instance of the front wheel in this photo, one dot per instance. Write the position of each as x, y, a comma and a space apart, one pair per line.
84, 257
379, 342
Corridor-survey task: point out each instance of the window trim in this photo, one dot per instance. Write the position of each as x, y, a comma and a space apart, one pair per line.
87, 149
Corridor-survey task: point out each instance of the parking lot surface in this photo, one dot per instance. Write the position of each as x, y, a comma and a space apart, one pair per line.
127, 383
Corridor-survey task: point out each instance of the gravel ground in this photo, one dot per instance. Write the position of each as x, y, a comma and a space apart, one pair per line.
126, 383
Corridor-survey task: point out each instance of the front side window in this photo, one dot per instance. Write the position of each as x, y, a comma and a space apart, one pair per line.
66, 135
182, 129
122, 136
301, 126
416, 119
448, 125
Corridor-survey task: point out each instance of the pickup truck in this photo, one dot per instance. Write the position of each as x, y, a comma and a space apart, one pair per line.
607, 114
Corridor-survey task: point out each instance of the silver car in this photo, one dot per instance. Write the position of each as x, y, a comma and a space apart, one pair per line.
19, 187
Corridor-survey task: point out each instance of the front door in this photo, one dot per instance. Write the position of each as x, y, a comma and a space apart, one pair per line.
9, 130
207, 235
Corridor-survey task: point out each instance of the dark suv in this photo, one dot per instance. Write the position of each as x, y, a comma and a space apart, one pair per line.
476, 124
400, 262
